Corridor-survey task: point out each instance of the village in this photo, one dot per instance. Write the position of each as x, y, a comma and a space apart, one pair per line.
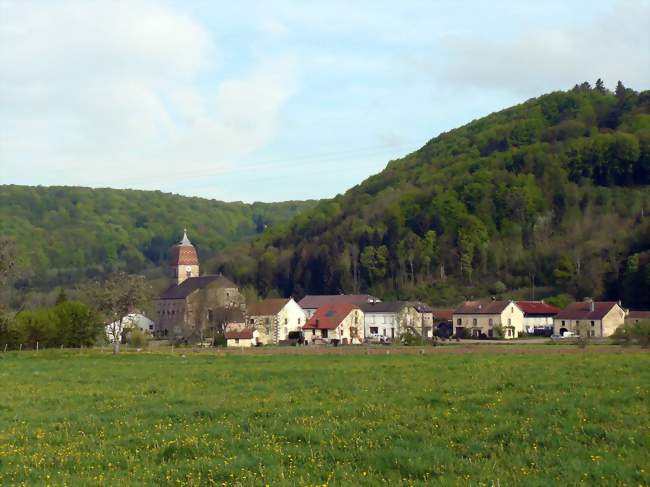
196, 308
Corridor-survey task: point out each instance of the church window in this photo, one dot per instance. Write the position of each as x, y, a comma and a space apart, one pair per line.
286, 321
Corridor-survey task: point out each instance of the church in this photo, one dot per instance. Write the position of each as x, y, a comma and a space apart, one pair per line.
195, 307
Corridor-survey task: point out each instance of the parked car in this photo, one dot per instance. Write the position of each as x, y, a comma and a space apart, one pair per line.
564, 336
376, 338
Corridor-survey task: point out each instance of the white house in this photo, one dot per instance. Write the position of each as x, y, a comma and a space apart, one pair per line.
274, 319
240, 338
382, 320
336, 323
538, 315
132, 320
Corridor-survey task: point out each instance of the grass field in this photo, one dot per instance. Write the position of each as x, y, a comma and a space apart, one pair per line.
490, 418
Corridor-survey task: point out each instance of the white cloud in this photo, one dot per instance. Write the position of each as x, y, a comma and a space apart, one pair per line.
115, 93
612, 47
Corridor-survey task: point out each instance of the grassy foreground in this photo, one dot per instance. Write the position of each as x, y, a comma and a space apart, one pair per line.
70, 418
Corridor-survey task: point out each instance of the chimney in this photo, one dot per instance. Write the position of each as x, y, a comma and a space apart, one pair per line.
591, 306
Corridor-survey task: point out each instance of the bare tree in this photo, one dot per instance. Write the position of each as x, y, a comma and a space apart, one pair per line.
115, 298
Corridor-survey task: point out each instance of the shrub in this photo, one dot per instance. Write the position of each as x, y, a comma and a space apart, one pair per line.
137, 338
78, 324
410, 338
630, 333
498, 331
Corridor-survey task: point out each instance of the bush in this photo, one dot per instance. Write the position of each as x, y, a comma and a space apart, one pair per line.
498, 331
137, 338
410, 338
78, 324
630, 333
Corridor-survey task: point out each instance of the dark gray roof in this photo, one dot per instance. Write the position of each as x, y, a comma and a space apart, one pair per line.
381, 307
188, 286
315, 301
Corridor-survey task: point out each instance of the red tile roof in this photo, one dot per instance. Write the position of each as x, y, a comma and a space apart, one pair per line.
481, 308
582, 310
537, 308
316, 301
267, 307
442, 313
184, 255
330, 316
241, 334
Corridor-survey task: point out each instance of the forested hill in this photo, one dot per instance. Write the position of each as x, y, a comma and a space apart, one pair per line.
553, 192
64, 235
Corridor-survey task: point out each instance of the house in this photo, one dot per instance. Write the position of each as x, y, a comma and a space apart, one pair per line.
442, 319
596, 318
129, 322
480, 318
636, 316
336, 323
273, 319
239, 338
195, 306
538, 316
311, 303
382, 320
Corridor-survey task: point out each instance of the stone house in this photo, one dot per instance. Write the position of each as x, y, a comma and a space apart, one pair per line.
636, 316
312, 302
336, 323
596, 318
273, 319
442, 323
538, 316
480, 318
194, 306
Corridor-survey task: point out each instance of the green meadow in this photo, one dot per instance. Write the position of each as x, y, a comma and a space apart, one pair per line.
541, 417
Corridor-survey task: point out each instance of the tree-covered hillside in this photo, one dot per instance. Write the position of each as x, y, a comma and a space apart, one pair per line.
64, 235
553, 193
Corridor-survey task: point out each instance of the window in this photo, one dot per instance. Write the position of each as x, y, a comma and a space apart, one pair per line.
298, 320
592, 333
236, 340
323, 333
267, 321
459, 322
490, 322
593, 323
151, 327
356, 319
374, 330
252, 321
286, 321
474, 322
210, 315
384, 331
509, 322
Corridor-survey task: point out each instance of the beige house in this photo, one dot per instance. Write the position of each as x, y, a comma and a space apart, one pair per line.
195, 307
480, 318
336, 323
239, 338
274, 319
596, 318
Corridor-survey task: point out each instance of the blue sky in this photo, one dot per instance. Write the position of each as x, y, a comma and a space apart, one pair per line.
277, 100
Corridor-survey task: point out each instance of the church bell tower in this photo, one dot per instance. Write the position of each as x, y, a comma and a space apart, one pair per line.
184, 260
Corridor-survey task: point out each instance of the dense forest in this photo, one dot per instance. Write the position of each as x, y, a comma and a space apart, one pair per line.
549, 197
65, 235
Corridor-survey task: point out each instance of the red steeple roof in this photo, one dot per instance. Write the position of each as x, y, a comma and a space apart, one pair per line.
184, 253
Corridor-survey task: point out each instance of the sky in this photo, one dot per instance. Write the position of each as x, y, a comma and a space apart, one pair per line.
276, 100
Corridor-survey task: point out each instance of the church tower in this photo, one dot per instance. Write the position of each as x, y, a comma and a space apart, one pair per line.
184, 260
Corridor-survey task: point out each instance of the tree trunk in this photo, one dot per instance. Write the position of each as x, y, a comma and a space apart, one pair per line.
116, 346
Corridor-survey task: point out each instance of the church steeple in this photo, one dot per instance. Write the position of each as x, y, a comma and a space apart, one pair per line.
185, 261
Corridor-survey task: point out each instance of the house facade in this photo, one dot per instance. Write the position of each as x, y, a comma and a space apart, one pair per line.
274, 319
312, 302
442, 323
596, 318
479, 319
382, 320
336, 323
538, 316
195, 306
239, 338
